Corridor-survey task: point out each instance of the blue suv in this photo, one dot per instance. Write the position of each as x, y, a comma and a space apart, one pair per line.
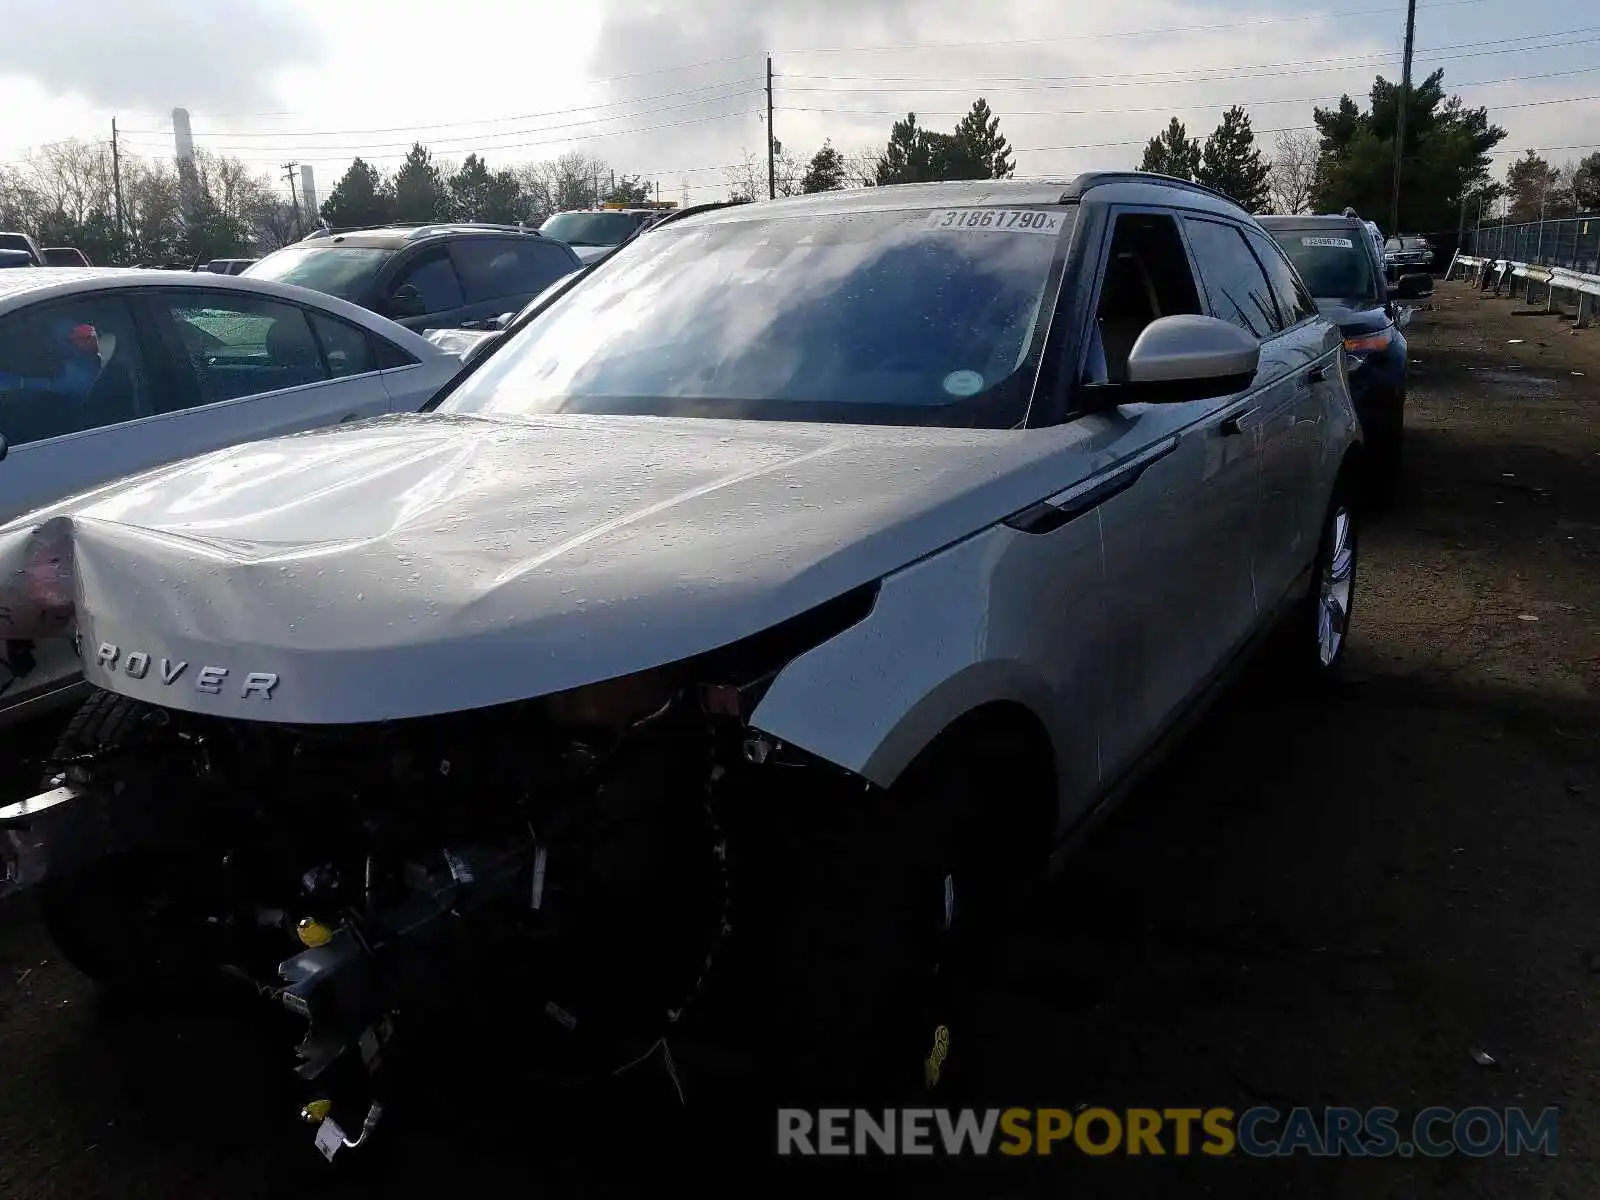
1341, 266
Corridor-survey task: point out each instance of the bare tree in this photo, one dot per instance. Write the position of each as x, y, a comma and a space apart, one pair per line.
273, 225
860, 168
72, 179
152, 213
1294, 171
747, 179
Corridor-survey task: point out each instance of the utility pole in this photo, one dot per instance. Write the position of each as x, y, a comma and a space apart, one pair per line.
1544, 197
1400, 117
116, 180
289, 168
772, 167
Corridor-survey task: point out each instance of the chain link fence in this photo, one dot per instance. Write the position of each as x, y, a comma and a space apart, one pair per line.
1571, 242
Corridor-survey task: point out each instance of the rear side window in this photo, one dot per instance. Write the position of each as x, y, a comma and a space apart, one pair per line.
1294, 302
1234, 282
68, 367
491, 268
390, 356
345, 348
241, 345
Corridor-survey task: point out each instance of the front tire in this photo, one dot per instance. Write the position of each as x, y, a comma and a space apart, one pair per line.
903, 921
108, 918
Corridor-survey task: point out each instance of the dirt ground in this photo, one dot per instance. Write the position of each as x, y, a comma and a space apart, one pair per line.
1314, 903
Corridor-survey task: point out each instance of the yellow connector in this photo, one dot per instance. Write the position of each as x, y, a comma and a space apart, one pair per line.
316, 1112
313, 933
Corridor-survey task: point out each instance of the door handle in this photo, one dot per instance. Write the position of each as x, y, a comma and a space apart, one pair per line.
1316, 374
1233, 426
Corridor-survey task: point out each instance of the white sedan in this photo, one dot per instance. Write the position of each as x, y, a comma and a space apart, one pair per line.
104, 373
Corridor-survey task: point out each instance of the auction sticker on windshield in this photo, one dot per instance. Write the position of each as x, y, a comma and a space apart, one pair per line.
996, 220
1339, 243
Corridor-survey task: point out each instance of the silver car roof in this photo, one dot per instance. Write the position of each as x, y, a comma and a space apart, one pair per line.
1119, 187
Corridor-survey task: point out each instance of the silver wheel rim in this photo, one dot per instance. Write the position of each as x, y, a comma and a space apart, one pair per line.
1334, 588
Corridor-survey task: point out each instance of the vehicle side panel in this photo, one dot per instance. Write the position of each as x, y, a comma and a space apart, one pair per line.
1003, 616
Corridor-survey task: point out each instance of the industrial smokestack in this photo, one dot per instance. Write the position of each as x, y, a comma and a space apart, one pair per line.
188, 177
182, 136
308, 193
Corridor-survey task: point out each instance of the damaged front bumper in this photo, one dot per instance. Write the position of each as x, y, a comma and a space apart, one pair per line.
25, 837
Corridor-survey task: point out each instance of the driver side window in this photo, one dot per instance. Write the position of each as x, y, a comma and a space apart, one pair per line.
1147, 277
435, 281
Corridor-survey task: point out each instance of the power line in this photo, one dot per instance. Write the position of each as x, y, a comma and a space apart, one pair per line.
642, 172
558, 112
966, 89
1259, 132
504, 133
1156, 108
398, 149
1501, 46
1126, 33
493, 141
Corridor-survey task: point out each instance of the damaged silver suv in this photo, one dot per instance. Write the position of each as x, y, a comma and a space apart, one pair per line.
723, 649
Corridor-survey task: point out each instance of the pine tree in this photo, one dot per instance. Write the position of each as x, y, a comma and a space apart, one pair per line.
1586, 183
1172, 152
470, 189
825, 173
1231, 164
908, 156
1530, 182
420, 192
981, 145
358, 199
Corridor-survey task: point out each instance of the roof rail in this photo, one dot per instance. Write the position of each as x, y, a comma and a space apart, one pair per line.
1093, 179
429, 227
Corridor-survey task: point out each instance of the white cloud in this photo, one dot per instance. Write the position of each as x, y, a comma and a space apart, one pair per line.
523, 81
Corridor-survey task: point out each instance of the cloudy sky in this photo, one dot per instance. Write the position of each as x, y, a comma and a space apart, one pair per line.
675, 90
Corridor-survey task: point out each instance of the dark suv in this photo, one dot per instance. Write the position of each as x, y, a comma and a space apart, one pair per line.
1339, 263
25, 244
439, 276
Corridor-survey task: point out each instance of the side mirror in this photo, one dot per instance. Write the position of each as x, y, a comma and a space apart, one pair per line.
1190, 357
5, 448
406, 301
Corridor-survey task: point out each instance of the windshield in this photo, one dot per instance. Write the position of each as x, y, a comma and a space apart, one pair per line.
903, 318
590, 228
343, 271
1334, 264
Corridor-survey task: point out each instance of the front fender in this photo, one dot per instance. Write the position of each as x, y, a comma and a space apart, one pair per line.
983, 621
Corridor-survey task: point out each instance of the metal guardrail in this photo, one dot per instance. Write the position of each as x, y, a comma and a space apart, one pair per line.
1584, 286
1571, 242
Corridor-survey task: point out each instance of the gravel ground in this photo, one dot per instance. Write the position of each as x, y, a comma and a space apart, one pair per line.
1329, 902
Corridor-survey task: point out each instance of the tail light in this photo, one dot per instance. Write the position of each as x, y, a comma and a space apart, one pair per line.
1367, 343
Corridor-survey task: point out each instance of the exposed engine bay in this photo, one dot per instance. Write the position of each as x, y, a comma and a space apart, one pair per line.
569, 851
